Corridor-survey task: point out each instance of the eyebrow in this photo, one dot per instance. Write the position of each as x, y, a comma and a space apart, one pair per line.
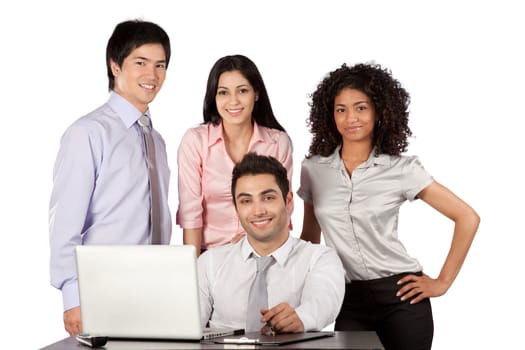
244, 194
353, 104
238, 86
270, 190
148, 59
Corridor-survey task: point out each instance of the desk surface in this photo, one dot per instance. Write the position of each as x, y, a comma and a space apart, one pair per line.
341, 340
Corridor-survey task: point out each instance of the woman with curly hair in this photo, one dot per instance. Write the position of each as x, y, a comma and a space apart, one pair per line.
353, 182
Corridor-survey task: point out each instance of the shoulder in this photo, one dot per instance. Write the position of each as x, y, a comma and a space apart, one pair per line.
317, 161
313, 251
406, 163
216, 256
275, 135
195, 136
398, 159
91, 124
198, 130
311, 161
395, 161
410, 159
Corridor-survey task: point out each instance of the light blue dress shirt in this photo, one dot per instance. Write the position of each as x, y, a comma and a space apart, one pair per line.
359, 215
101, 191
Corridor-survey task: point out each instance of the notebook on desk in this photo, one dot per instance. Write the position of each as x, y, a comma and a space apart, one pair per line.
141, 292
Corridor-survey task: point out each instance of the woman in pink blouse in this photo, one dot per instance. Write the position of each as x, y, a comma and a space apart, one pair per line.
238, 119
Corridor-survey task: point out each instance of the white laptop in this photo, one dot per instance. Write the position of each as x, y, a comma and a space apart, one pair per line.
141, 292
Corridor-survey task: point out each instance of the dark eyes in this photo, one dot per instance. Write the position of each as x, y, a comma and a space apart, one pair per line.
247, 200
360, 108
225, 92
158, 65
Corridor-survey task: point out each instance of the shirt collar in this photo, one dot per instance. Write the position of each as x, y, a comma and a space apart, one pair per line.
258, 135
280, 254
216, 134
128, 113
373, 159
335, 160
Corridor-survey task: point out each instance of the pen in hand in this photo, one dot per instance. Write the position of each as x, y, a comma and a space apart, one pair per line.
271, 329
274, 317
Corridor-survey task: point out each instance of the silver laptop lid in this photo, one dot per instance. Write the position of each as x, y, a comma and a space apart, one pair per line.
139, 291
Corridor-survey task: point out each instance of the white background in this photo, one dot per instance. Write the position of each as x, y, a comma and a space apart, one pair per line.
462, 63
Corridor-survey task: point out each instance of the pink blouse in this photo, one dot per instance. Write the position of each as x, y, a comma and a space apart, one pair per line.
204, 179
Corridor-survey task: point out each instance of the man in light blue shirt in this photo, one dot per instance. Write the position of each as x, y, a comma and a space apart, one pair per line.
101, 191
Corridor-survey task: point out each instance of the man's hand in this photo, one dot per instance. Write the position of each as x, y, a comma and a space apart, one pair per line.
72, 322
282, 318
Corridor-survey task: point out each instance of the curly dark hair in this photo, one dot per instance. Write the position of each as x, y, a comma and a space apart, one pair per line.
390, 102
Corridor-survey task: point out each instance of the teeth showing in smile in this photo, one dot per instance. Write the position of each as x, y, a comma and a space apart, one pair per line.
261, 222
234, 110
148, 86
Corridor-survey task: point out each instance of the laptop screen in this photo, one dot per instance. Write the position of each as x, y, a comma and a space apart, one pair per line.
139, 291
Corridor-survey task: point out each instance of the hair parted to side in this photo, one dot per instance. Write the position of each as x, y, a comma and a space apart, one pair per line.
254, 164
390, 100
262, 110
129, 35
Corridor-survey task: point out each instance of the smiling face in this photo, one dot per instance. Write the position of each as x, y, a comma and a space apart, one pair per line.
235, 98
262, 210
141, 75
354, 116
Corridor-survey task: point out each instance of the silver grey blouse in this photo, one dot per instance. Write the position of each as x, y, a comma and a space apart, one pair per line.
358, 215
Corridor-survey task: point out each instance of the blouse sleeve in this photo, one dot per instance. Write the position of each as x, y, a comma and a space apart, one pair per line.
189, 162
415, 178
305, 191
285, 155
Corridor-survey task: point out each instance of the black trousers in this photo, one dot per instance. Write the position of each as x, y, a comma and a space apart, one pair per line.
373, 306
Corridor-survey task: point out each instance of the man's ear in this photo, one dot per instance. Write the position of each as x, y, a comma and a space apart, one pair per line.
289, 200
115, 69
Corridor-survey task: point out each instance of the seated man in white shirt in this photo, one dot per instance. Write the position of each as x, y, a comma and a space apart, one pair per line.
305, 282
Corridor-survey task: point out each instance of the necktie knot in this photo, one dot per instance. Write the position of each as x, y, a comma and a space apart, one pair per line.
144, 122
263, 262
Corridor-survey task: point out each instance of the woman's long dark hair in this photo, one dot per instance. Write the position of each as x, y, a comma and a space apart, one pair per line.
262, 110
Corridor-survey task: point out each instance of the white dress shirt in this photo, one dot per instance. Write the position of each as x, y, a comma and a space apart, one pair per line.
309, 277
